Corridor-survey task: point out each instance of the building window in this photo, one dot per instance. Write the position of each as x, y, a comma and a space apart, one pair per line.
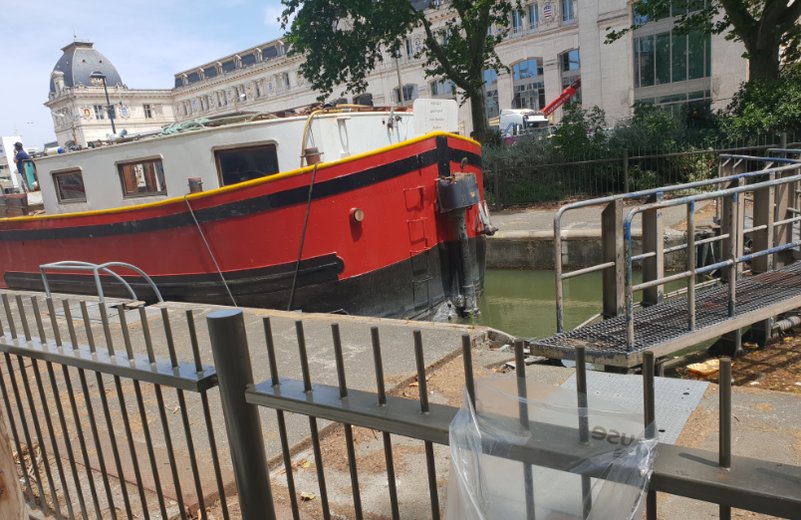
148, 111
491, 92
570, 71
409, 49
534, 15
669, 58
529, 85
244, 164
517, 21
409, 94
99, 112
142, 178
567, 11
69, 187
443, 89
365, 99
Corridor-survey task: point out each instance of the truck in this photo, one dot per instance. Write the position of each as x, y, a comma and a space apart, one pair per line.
515, 121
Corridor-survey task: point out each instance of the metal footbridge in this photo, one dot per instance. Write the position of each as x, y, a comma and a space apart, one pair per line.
748, 275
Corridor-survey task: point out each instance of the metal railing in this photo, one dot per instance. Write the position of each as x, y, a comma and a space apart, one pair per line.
71, 265
611, 223
603, 172
759, 486
73, 396
733, 233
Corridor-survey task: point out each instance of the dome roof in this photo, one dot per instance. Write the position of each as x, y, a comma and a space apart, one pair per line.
80, 60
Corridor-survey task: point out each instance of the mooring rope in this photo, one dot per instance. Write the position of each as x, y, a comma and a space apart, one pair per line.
209, 250
302, 238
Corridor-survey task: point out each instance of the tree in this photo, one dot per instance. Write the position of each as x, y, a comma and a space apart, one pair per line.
344, 40
768, 28
765, 107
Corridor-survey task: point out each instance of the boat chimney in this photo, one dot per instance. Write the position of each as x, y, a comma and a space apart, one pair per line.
312, 155
195, 185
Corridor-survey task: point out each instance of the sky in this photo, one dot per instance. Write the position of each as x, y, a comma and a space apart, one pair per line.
148, 41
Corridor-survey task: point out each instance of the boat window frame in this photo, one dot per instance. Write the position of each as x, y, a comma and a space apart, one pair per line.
148, 158
68, 171
242, 147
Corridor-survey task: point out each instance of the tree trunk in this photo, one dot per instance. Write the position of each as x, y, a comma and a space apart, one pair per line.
478, 109
12, 506
763, 63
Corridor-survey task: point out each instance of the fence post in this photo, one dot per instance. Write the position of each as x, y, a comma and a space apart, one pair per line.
612, 251
496, 181
783, 141
229, 345
626, 171
653, 241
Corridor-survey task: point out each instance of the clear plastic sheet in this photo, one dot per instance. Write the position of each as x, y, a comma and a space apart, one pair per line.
604, 477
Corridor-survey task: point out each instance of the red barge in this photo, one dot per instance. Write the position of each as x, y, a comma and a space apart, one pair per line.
390, 222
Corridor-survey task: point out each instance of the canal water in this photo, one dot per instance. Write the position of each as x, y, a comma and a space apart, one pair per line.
523, 302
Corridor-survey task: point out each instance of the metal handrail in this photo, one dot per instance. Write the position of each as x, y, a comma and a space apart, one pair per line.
735, 231
557, 220
73, 265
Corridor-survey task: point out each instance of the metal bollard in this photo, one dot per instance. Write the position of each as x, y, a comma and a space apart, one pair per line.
229, 345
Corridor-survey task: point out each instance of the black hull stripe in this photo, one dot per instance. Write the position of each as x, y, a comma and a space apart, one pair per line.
408, 288
252, 205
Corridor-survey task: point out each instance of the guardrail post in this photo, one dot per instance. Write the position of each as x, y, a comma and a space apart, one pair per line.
785, 199
764, 201
613, 278
726, 227
229, 345
626, 171
783, 141
653, 268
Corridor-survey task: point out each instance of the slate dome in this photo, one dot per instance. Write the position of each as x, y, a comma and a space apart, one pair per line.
81, 59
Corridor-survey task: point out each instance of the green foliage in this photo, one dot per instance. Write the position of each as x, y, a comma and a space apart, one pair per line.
765, 106
581, 131
344, 40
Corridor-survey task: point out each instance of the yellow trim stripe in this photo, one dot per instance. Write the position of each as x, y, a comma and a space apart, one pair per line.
246, 184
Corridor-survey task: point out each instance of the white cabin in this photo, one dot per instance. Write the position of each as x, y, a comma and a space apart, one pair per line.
157, 168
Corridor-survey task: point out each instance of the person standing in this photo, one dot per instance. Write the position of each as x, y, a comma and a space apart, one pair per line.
20, 156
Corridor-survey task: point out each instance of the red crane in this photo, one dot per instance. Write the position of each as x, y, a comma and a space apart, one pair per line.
566, 94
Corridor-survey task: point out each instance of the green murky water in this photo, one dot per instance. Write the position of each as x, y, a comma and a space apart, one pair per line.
523, 303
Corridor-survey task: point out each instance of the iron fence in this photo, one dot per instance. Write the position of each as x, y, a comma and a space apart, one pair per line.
45, 418
607, 172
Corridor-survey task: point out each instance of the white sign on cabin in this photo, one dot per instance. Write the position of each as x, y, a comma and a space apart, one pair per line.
435, 115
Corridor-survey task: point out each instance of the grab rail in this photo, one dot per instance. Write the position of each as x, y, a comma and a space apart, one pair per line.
658, 192
736, 232
72, 265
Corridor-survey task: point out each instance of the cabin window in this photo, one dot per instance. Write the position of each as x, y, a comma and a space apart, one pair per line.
142, 178
69, 187
244, 164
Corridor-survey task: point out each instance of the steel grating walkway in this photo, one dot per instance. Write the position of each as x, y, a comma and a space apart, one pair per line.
662, 328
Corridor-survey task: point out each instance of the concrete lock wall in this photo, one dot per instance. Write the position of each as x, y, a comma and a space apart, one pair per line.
534, 249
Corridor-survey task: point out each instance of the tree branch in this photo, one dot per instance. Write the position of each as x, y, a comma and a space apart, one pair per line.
439, 53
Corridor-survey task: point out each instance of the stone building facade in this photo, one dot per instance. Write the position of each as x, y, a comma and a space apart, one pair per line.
550, 44
78, 105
